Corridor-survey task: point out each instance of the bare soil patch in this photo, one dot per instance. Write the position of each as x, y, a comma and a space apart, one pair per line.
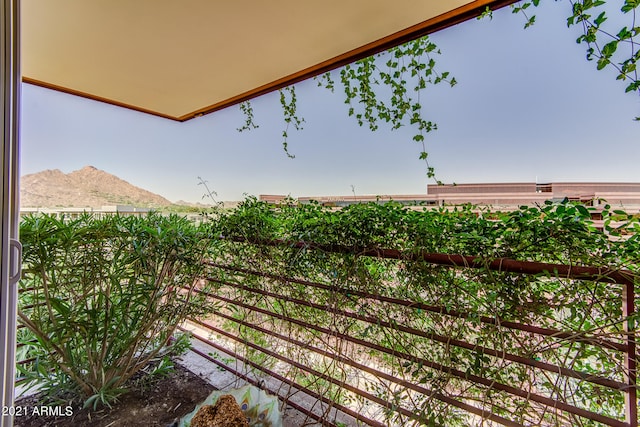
156, 405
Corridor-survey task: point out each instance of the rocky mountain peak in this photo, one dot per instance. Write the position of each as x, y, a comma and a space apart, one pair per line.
87, 187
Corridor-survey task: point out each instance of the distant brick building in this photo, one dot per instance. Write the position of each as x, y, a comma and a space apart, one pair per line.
503, 196
619, 194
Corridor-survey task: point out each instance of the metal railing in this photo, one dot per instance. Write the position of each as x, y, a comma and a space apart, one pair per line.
395, 360
377, 357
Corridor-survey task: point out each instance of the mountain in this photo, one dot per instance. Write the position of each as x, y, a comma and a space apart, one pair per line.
87, 187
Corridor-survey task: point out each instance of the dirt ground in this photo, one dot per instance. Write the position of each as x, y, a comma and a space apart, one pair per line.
156, 405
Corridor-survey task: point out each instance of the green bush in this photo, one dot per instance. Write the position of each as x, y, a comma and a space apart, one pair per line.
101, 298
310, 274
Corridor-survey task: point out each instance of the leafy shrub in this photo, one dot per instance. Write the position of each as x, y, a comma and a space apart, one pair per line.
101, 298
318, 277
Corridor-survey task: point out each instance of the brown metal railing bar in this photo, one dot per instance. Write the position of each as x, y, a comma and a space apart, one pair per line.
431, 393
251, 380
605, 382
285, 380
321, 375
507, 265
553, 333
22, 344
25, 361
631, 398
258, 384
549, 402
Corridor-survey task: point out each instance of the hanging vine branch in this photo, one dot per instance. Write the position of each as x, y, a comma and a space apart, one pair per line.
387, 88
594, 34
382, 88
247, 109
289, 104
609, 49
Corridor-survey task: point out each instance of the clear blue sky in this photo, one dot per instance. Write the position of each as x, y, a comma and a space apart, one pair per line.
528, 106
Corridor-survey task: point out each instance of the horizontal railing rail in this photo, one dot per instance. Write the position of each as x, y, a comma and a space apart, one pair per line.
553, 403
269, 310
507, 265
435, 337
271, 374
496, 320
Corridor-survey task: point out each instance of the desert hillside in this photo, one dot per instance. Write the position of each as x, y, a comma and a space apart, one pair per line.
87, 187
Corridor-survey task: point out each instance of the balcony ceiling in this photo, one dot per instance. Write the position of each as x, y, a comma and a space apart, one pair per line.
181, 59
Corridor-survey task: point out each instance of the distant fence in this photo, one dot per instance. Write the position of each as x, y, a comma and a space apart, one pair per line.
394, 338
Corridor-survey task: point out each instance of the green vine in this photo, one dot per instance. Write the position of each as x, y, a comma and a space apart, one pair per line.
388, 87
289, 104
522, 9
309, 274
247, 109
609, 49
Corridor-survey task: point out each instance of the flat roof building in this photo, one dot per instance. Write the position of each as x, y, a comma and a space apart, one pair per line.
500, 196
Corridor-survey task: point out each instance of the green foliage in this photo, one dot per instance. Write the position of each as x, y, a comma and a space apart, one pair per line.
383, 88
529, 233
290, 112
389, 88
247, 109
308, 266
608, 47
101, 298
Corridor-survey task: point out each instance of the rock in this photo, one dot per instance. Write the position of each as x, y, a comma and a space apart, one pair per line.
225, 413
84, 188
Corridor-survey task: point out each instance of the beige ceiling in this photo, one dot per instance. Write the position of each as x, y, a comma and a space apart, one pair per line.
182, 58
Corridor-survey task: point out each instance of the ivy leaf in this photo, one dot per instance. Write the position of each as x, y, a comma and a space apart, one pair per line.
633, 86
610, 48
602, 62
600, 19
487, 13
629, 5
530, 22
624, 34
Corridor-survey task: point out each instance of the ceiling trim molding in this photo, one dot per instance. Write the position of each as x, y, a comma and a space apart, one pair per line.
95, 97
453, 17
